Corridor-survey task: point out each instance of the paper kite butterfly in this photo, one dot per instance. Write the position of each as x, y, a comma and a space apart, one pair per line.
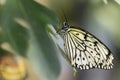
84, 50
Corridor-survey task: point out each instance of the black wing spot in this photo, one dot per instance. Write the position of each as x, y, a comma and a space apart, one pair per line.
98, 54
83, 58
98, 48
98, 58
90, 44
108, 54
78, 59
91, 51
93, 67
103, 61
95, 43
100, 64
89, 57
85, 36
77, 33
76, 64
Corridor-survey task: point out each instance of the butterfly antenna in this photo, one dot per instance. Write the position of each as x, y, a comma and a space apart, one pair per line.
65, 17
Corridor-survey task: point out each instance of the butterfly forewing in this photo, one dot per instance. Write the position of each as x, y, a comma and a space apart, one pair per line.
85, 51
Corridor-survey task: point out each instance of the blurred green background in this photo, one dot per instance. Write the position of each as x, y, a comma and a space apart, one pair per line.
28, 31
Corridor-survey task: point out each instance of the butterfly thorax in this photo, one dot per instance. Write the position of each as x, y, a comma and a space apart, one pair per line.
64, 29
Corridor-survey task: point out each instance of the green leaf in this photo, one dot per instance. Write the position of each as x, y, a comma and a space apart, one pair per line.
13, 33
1, 7
74, 72
24, 24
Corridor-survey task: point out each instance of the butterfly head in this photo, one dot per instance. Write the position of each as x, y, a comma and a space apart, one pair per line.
64, 28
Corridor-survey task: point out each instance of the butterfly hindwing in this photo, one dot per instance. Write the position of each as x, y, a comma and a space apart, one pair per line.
85, 51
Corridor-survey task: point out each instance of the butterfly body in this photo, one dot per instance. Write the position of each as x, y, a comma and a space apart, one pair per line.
84, 50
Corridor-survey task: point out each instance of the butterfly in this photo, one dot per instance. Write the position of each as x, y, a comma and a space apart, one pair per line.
84, 50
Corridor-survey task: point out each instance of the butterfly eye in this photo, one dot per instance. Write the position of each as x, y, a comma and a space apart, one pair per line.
65, 24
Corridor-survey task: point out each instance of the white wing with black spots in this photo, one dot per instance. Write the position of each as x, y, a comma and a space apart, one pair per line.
85, 51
